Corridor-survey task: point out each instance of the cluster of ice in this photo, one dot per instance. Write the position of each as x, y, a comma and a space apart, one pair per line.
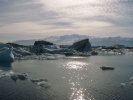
20, 52
129, 82
41, 82
5, 73
122, 51
24, 76
44, 56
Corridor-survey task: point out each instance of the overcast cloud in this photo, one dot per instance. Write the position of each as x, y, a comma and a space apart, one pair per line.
26, 19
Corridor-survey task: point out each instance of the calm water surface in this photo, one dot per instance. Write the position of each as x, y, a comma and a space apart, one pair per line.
70, 79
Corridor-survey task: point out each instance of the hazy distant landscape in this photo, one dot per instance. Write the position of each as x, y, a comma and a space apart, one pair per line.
70, 39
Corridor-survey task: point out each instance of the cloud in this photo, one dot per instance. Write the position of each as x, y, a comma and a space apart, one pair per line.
42, 17
14, 11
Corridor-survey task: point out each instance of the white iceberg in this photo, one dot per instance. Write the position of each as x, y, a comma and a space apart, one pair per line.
6, 54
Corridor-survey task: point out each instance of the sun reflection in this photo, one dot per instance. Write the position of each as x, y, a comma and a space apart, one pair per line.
78, 92
76, 65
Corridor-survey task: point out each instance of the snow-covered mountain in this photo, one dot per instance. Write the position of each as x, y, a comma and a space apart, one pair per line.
70, 39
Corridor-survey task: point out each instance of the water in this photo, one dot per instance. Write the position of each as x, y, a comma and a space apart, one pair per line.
74, 78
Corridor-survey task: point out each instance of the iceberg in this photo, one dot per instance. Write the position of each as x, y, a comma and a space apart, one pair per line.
6, 54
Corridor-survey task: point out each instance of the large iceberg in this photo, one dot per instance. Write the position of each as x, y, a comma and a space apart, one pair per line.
82, 46
6, 54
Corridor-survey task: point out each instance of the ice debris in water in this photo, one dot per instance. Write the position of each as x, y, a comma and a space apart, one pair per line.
41, 82
131, 78
24, 76
14, 77
41, 57
5, 73
130, 82
38, 80
123, 84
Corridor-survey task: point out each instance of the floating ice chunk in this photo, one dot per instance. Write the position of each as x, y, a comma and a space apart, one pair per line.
38, 80
35, 80
123, 84
131, 83
14, 77
11, 72
43, 84
131, 78
22, 76
5, 73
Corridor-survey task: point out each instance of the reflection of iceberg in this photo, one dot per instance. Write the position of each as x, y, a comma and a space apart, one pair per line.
6, 53
5, 66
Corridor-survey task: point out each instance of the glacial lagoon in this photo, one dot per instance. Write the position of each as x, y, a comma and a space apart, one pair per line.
72, 78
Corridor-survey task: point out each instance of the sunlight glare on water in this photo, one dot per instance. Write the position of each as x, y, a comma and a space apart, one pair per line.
76, 65
77, 90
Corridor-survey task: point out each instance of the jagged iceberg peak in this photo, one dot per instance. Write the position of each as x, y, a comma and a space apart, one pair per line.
82, 45
6, 54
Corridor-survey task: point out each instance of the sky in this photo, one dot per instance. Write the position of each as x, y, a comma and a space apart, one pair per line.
32, 19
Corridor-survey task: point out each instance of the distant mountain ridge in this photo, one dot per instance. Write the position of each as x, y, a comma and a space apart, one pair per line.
70, 39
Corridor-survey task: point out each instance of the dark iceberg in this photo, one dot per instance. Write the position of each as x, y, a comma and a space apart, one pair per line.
82, 46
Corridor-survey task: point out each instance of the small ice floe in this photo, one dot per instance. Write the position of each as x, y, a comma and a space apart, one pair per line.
122, 84
22, 76
41, 82
14, 77
5, 73
131, 83
107, 68
131, 78
38, 80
